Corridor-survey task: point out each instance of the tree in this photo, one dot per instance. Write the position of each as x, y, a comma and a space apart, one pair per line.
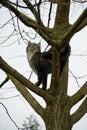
56, 115
31, 124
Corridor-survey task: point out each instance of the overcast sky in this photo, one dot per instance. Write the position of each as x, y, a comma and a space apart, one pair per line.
15, 55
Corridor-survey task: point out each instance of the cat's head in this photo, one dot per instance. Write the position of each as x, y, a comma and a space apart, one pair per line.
33, 47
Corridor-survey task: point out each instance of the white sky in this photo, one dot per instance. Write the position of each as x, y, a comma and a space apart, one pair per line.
15, 55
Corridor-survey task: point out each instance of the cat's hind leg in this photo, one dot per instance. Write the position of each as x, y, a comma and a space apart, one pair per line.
44, 82
39, 80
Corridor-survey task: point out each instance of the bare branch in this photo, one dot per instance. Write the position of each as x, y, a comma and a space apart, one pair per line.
36, 4
9, 70
6, 98
79, 95
43, 31
5, 81
82, 25
74, 27
26, 20
80, 1
35, 13
8, 37
82, 110
72, 30
29, 98
50, 14
9, 115
74, 77
6, 23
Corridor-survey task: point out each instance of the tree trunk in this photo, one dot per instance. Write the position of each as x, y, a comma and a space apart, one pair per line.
57, 116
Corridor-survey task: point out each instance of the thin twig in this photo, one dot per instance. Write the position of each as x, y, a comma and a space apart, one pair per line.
50, 14
74, 77
10, 97
5, 81
80, 1
9, 115
30, 74
8, 37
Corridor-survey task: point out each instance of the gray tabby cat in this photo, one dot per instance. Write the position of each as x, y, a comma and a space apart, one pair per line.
41, 62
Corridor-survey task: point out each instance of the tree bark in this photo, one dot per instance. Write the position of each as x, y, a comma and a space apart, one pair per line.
56, 115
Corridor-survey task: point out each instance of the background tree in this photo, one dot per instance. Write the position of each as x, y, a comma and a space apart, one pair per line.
56, 114
31, 123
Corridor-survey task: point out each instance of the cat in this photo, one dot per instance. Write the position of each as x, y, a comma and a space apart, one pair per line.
41, 62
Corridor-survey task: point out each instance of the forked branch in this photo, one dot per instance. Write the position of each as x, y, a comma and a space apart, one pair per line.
26, 94
5, 81
73, 29
42, 30
81, 111
26, 20
33, 10
79, 95
9, 70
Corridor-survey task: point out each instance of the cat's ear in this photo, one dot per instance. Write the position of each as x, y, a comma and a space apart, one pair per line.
39, 44
29, 42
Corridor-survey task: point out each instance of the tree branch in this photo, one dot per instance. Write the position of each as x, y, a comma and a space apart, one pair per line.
62, 14
54, 1
82, 25
80, 1
9, 70
49, 16
42, 30
74, 27
79, 95
6, 80
35, 13
26, 20
72, 30
80, 112
9, 115
25, 93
